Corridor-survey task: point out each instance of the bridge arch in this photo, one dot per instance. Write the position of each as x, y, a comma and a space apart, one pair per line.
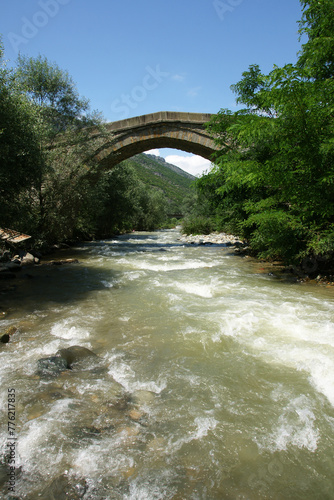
185, 131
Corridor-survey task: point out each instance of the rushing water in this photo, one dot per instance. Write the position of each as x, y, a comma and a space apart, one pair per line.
214, 381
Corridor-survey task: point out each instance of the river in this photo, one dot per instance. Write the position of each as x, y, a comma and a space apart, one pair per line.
214, 380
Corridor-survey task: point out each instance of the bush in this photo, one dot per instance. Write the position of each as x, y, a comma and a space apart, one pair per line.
169, 223
198, 225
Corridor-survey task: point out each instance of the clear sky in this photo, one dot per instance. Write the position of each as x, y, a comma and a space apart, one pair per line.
133, 57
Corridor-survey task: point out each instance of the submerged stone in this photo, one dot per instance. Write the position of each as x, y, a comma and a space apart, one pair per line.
142, 397
122, 402
135, 414
51, 367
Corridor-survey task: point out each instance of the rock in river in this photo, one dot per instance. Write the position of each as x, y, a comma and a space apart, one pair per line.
51, 367
4, 338
76, 354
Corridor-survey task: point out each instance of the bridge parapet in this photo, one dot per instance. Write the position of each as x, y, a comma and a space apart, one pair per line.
165, 129
160, 117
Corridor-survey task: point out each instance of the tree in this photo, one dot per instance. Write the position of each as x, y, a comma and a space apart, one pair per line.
20, 155
62, 190
54, 92
126, 203
276, 157
152, 209
119, 200
317, 55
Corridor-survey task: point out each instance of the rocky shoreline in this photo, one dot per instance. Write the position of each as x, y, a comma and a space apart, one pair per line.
224, 239
280, 270
10, 265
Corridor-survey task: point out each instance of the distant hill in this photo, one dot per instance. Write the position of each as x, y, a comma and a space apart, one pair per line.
176, 169
172, 181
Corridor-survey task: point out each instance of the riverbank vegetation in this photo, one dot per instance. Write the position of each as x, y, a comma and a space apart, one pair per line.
51, 186
272, 183
273, 180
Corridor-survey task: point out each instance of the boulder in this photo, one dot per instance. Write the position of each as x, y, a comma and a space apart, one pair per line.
76, 354
11, 330
28, 259
5, 256
4, 338
51, 367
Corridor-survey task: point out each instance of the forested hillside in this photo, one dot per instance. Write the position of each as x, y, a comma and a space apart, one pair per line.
174, 183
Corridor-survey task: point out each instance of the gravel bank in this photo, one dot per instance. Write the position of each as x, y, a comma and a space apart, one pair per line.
212, 239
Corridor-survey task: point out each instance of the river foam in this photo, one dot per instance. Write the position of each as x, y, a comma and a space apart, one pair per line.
209, 376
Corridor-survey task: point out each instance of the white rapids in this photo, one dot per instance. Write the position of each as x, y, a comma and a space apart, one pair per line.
214, 381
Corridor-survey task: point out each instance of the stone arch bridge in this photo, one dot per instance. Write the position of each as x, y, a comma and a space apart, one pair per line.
165, 129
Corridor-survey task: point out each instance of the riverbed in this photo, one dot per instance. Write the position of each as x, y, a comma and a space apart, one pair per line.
214, 378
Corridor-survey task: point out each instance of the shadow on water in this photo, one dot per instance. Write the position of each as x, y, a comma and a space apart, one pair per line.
48, 285
44, 285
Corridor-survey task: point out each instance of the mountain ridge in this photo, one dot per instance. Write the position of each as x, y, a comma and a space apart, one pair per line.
173, 182
173, 167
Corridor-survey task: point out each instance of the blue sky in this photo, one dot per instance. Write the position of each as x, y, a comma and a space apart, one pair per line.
132, 57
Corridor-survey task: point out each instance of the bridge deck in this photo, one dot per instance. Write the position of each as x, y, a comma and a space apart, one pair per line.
160, 117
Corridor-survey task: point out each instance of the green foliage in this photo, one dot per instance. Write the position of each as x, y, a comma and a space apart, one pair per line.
275, 234
152, 210
126, 203
175, 185
20, 157
169, 223
317, 55
44, 190
55, 94
51, 185
117, 189
197, 225
274, 176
